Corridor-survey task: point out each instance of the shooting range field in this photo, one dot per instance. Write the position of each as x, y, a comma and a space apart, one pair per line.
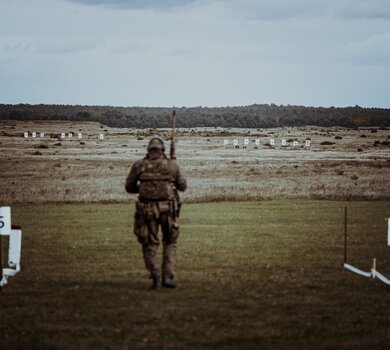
341, 164
260, 261
252, 275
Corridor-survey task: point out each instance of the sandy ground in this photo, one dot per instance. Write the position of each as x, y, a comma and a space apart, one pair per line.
355, 166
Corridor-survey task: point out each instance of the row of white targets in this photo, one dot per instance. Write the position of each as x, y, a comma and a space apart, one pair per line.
63, 136
272, 142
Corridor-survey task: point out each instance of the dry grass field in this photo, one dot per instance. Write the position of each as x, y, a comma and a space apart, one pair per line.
355, 164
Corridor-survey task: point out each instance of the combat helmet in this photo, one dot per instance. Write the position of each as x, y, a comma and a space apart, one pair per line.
156, 143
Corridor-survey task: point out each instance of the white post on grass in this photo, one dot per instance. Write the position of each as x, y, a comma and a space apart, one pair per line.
70, 136
225, 142
388, 231
80, 135
101, 136
295, 143
307, 143
272, 142
62, 135
257, 142
26, 135
235, 142
246, 142
42, 135
34, 135
284, 143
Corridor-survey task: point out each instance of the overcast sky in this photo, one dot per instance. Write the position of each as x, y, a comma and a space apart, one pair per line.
195, 52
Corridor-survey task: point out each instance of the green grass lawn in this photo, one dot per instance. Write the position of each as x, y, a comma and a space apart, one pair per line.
251, 275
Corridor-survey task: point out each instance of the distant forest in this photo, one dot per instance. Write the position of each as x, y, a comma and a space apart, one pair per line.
254, 116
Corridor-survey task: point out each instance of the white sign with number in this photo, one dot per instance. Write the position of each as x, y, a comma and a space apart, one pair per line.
34, 134
246, 142
284, 142
225, 142
295, 143
307, 143
70, 135
101, 136
62, 135
5, 221
42, 135
235, 142
257, 142
26, 135
272, 142
80, 135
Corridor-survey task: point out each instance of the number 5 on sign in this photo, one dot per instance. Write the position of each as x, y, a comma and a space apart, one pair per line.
5, 221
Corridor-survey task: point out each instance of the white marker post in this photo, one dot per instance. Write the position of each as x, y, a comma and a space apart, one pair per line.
246, 143
272, 142
62, 135
101, 136
307, 143
225, 142
5, 230
388, 231
42, 135
26, 135
80, 135
284, 143
70, 136
34, 135
235, 143
257, 142
295, 143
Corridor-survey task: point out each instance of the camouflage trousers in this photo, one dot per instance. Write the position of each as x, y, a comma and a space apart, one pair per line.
151, 243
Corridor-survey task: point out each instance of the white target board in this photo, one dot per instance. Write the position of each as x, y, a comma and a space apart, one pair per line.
42, 135
272, 142
257, 142
225, 142
307, 143
34, 135
80, 135
5, 221
62, 135
284, 143
70, 135
26, 135
235, 142
246, 142
295, 143
101, 136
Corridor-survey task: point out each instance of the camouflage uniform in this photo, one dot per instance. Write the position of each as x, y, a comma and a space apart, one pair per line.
156, 179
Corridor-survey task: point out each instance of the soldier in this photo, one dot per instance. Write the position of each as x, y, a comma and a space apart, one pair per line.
156, 179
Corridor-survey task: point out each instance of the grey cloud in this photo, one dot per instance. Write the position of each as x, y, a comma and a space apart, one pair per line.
287, 9
59, 48
373, 51
137, 4
265, 9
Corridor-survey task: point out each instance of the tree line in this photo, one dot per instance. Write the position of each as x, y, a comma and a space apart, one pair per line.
253, 116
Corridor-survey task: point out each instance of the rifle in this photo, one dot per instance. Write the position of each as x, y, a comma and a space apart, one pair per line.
173, 145
177, 202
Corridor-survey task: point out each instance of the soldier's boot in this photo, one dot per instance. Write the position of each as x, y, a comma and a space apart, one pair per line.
169, 260
156, 283
168, 282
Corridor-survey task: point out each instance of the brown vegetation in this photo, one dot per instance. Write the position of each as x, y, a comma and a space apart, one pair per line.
37, 171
